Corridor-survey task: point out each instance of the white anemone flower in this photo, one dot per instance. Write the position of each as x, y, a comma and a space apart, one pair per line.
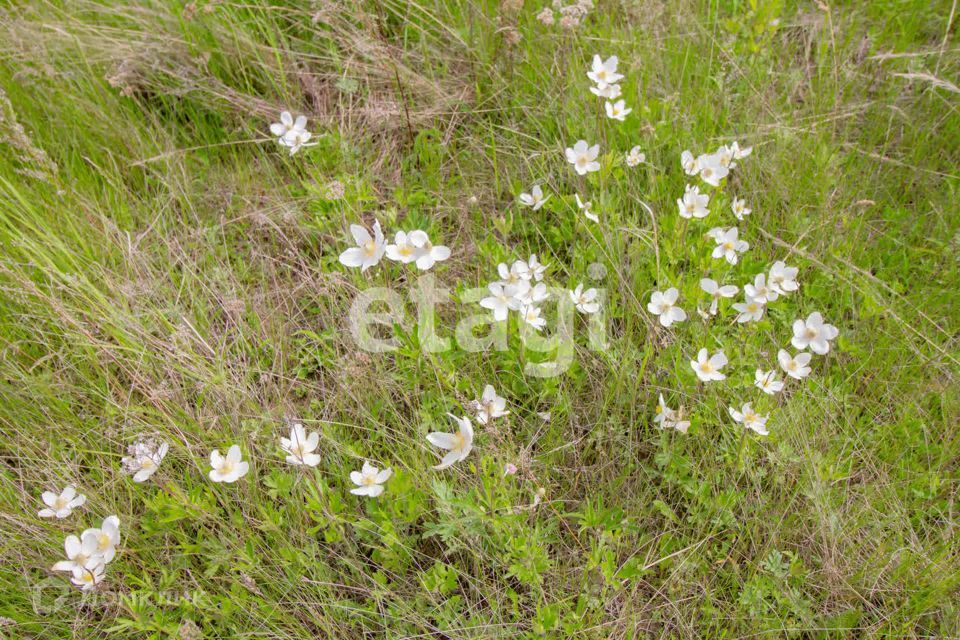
667, 418
716, 292
604, 71
79, 552
711, 171
738, 153
663, 304
767, 382
689, 163
402, 250
725, 156
740, 209
585, 300
502, 300
490, 405
635, 157
693, 204
716, 233
429, 254
783, 279
300, 447
144, 458
760, 291
750, 310
533, 199
797, 366
750, 419
369, 480
708, 367
513, 274
287, 124
583, 157
608, 91
585, 208
89, 575
228, 468
729, 245
296, 140
529, 294
531, 316
369, 249
458, 445
535, 269
617, 110
813, 333
105, 539
62, 505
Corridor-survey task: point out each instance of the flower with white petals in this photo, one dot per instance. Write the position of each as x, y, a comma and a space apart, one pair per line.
663, 304
79, 552
693, 204
738, 153
502, 299
585, 207
490, 405
711, 170
617, 110
716, 292
729, 245
740, 208
369, 249
529, 294
604, 71
783, 279
585, 301
429, 254
583, 157
286, 125
708, 367
608, 91
813, 333
750, 419
61, 506
750, 310
535, 269
667, 418
144, 458
513, 274
725, 157
689, 163
104, 540
296, 140
767, 382
369, 480
89, 575
458, 445
531, 316
300, 447
760, 291
797, 366
228, 468
402, 250
533, 199
635, 157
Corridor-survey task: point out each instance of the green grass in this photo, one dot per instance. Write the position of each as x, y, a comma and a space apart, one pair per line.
165, 270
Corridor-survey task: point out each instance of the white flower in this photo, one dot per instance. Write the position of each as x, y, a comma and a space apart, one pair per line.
529, 294
585, 301
716, 233
533, 199
79, 553
795, 367
667, 418
583, 157
608, 91
585, 207
296, 140
531, 315
740, 209
738, 153
708, 367
535, 269
725, 156
229, 468
61, 506
813, 333
490, 405
429, 254
711, 171
104, 540
783, 279
369, 480
767, 382
662, 304
458, 445
89, 575
750, 419
144, 458
716, 292
729, 245
286, 125
502, 300
750, 310
693, 204
759, 290
689, 164
513, 274
402, 249
635, 157
300, 447
368, 251
604, 71
617, 110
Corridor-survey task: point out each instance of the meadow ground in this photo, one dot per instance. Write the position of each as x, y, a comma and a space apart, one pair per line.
169, 269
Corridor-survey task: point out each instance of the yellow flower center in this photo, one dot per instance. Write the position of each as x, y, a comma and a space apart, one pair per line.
370, 247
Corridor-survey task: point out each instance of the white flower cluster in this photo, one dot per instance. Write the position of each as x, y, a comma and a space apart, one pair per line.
144, 458
292, 133
606, 78
519, 289
88, 554
407, 247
